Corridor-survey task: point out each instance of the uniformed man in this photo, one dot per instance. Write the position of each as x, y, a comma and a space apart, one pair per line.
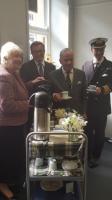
99, 77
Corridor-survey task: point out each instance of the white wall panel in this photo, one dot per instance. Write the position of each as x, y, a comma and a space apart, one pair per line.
91, 21
13, 22
59, 27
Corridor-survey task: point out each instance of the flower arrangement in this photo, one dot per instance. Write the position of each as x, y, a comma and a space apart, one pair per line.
72, 121
60, 113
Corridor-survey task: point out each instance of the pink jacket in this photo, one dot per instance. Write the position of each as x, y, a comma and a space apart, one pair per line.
13, 99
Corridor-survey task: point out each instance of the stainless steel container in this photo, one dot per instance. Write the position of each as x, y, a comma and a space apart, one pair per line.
42, 114
41, 120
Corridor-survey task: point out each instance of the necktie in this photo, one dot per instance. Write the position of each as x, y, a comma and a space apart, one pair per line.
40, 69
68, 82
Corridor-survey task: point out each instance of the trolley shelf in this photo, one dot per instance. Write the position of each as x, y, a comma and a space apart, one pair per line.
63, 151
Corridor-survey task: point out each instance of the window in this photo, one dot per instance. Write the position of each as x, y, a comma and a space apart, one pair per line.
39, 17
39, 22
33, 5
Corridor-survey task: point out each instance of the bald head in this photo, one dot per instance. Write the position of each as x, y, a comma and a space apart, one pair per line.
65, 50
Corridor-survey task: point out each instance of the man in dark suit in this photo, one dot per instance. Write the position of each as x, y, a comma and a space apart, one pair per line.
99, 77
73, 80
35, 74
36, 71
68, 78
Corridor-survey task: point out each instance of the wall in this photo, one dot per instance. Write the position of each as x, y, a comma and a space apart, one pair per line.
59, 28
91, 21
13, 23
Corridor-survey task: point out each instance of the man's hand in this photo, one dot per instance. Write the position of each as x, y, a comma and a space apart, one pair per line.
38, 79
57, 97
106, 89
98, 90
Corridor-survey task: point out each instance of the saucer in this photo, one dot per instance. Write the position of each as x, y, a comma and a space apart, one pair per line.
91, 90
51, 185
66, 98
69, 164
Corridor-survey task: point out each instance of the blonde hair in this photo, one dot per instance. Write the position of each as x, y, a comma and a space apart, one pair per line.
7, 49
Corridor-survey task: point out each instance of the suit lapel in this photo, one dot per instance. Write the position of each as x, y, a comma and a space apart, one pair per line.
34, 68
75, 77
46, 69
98, 72
59, 80
62, 78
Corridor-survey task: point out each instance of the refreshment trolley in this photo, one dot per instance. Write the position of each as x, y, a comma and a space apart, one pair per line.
56, 155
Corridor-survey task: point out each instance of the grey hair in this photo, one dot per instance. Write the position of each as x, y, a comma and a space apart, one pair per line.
65, 50
7, 49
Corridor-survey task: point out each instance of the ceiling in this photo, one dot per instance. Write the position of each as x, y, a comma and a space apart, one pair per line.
87, 2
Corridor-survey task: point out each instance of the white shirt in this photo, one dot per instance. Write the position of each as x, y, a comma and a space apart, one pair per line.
70, 74
37, 64
95, 62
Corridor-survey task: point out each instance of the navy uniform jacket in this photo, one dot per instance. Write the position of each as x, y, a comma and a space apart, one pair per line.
99, 104
78, 88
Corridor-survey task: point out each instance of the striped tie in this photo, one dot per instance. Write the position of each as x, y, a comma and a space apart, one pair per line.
40, 69
68, 82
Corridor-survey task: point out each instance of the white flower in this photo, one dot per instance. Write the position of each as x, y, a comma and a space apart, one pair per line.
60, 113
73, 122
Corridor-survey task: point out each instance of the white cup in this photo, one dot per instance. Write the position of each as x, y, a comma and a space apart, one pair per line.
38, 162
52, 164
92, 87
64, 94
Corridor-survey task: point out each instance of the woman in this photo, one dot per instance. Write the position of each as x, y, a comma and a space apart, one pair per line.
13, 115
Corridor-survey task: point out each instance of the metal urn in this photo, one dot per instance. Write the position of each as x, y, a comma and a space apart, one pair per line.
42, 103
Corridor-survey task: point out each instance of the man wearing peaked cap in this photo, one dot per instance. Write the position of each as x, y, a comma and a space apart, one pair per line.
98, 73
98, 42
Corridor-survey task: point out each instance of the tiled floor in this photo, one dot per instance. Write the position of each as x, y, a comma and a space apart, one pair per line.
99, 184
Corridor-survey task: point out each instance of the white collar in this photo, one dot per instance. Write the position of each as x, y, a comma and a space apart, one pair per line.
95, 60
71, 71
43, 63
